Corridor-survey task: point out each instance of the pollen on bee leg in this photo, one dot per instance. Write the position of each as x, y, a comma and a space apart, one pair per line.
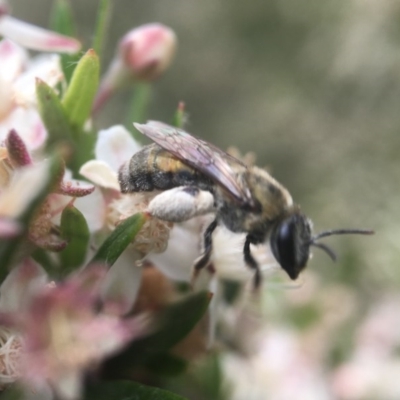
182, 203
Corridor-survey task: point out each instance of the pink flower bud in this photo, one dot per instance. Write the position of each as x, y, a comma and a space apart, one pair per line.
143, 54
148, 50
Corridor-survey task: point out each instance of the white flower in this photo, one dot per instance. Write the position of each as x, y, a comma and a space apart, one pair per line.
60, 330
105, 208
18, 104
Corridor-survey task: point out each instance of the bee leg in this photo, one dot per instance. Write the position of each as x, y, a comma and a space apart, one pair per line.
251, 262
204, 259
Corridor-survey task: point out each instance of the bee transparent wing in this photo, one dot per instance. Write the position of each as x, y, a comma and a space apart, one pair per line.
200, 155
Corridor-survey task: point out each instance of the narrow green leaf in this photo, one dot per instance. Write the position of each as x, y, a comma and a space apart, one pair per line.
83, 150
119, 239
179, 116
48, 263
74, 229
127, 390
13, 392
62, 21
102, 23
82, 89
53, 115
174, 324
139, 105
77, 145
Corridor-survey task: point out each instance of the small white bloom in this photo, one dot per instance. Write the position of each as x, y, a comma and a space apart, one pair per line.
18, 103
115, 146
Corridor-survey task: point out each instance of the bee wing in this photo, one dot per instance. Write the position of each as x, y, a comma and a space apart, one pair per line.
200, 155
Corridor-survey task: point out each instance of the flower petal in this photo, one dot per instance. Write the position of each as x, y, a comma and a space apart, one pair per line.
28, 124
13, 60
93, 207
36, 38
183, 248
148, 50
45, 67
25, 184
122, 284
21, 283
100, 173
9, 228
115, 146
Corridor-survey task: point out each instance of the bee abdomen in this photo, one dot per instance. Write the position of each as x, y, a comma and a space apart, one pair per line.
154, 168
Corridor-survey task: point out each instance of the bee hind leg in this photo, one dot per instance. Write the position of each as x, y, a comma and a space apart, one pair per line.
204, 260
252, 263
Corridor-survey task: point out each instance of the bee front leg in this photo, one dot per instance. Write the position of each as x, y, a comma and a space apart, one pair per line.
204, 259
251, 262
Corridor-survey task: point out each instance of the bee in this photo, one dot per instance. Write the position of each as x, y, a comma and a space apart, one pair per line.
245, 199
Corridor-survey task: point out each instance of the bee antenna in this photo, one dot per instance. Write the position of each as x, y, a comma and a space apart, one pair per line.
342, 232
326, 249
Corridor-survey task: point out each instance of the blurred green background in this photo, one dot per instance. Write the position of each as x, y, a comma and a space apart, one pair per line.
312, 87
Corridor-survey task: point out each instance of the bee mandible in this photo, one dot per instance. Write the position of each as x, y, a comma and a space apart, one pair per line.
245, 199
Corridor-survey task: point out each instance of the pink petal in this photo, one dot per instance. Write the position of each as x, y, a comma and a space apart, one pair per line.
9, 228
115, 145
28, 124
13, 60
148, 50
35, 38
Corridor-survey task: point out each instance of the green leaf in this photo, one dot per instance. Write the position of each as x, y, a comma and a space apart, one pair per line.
82, 89
74, 229
77, 145
43, 258
61, 18
119, 239
166, 364
53, 116
139, 105
62, 21
102, 23
13, 392
174, 324
83, 150
179, 116
126, 390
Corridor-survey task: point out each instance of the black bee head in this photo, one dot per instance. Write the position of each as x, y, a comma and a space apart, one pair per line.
290, 243
291, 239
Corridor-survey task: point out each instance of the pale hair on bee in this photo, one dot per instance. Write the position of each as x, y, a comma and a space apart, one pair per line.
197, 177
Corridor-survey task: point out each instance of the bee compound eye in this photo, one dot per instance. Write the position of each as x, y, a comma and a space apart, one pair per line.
290, 244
